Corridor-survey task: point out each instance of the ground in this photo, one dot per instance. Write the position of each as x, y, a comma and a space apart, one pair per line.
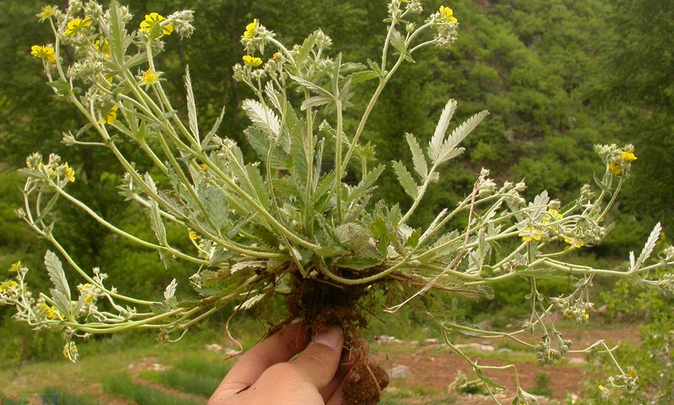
185, 373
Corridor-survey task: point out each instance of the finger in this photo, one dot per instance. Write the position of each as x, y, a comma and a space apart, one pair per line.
278, 348
319, 361
338, 396
349, 357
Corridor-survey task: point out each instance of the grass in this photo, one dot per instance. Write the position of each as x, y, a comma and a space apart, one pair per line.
203, 366
121, 385
197, 384
49, 396
195, 374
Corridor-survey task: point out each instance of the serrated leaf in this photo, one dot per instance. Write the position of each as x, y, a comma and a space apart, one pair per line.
358, 263
375, 67
406, 180
260, 143
262, 116
255, 264
157, 224
299, 149
216, 204
360, 77
304, 50
448, 149
398, 41
649, 246
250, 302
313, 87
366, 183
170, 291
435, 144
56, 274
418, 158
258, 185
191, 105
315, 101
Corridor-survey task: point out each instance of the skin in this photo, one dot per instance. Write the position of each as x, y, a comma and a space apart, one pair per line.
288, 369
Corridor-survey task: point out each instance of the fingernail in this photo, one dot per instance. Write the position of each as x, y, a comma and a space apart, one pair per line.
332, 337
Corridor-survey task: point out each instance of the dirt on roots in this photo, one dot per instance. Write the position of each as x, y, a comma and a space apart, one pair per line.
321, 304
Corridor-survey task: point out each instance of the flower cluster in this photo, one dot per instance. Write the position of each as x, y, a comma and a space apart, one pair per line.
446, 27
53, 171
255, 37
618, 160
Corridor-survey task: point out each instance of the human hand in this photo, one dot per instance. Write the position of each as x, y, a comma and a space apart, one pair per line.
265, 375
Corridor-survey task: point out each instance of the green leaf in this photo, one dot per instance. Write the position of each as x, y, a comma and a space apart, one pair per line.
61, 86
260, 143
191, 105
381, 233
449, 146
375, 67
258, 185
117, 32
316, 101
214, 129
360, 77
216, 205
358, 262
313, 87
305, 49
398, 41
435, 145
56, 274
262, 116
406, 180
299, 149
418, 158
366, 183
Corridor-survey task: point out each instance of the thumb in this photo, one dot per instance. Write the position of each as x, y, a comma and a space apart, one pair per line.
320, 360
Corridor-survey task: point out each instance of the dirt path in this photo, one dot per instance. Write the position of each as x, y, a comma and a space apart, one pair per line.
437, 366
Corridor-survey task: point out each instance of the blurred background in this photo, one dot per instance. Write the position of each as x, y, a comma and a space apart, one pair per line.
558, 76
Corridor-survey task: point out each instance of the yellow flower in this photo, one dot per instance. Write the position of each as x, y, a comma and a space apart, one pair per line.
601, 388
447, 15
252, 61
46, 13
70, 173
530, 234
8, 285
104, 47
577, 243
632, 373
628, 156
70, 351
110, 116
193, 235
615, 168
45, 52
150, 77
203, 167
76, 25
14, 268
251, 29
555, 215
51, 312
153, 19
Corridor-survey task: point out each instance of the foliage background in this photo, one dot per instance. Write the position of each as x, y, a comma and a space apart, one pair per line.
557, 76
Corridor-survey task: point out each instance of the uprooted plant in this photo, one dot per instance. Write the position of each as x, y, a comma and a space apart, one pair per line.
285, 224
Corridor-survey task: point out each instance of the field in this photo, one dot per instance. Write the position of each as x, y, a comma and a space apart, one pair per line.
140, 371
